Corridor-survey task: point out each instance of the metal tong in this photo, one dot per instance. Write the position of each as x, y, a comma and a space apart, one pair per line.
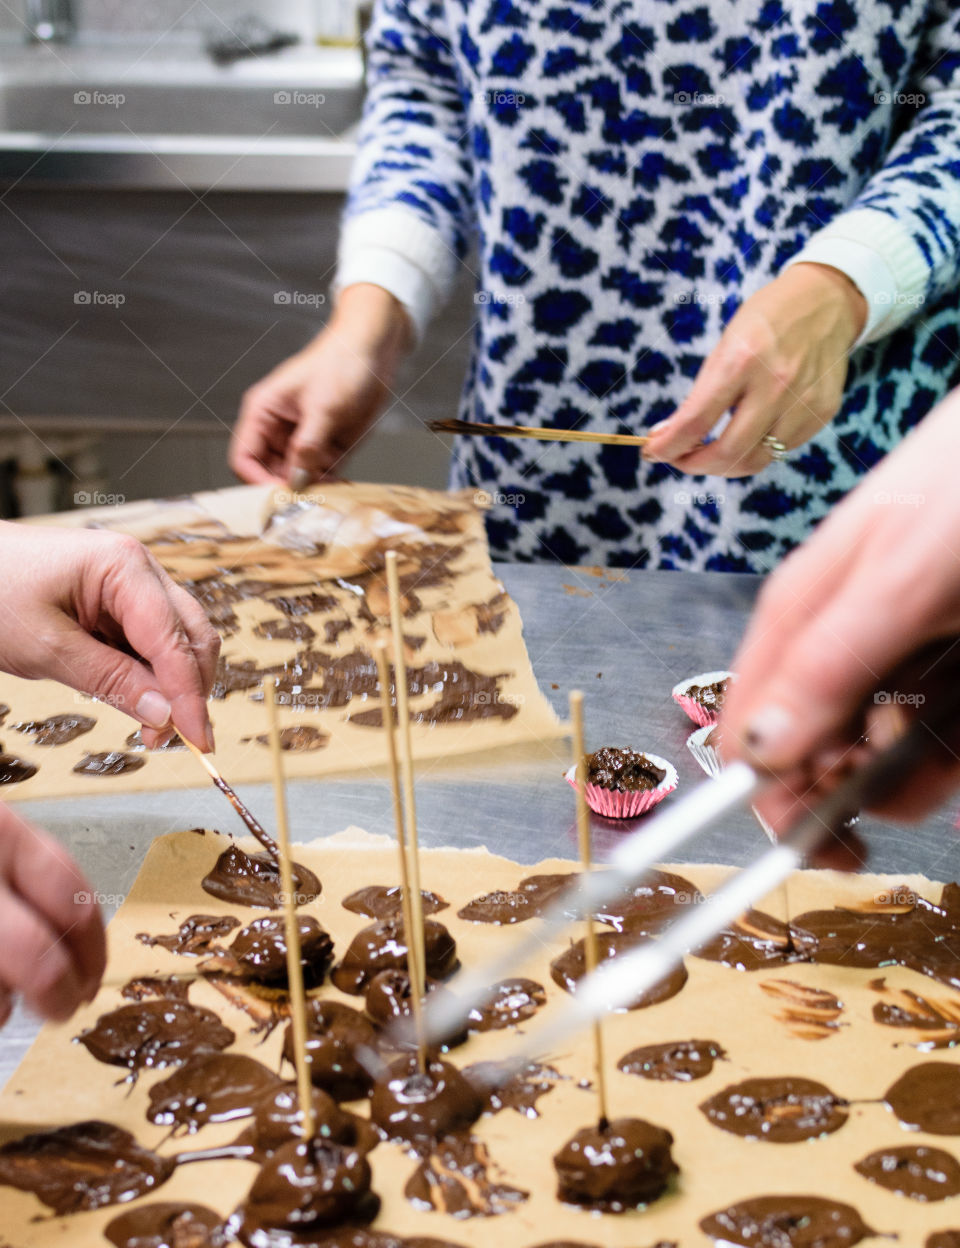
618, 981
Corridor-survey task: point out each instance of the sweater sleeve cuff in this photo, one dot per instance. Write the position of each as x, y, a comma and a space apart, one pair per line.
396, 250
883, 261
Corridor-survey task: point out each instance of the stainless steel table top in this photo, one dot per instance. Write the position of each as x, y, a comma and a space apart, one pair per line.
624, 642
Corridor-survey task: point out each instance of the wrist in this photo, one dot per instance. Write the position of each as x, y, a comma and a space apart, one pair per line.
373, 319
839, 289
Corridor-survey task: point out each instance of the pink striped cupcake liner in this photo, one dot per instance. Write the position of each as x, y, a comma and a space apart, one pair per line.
614, 804
698, 713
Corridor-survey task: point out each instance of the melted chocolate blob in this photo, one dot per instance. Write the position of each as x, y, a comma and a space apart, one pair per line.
13, 770
154, 1034
301, 738
522, 1091
623, 771
913, 1170
513, 1001
453, 1179
710, 697
167, 1225
277, 1121
145, 986
782, 1111
381, 901
195, 936
284, 630
334, 1033
787, 1222
82, 1167
260, 950
616, 1166
304, 604
389, 999
415, 1107
652, 905
570, 967
254, 880
305, 1188
57, 729
756, 942
927, 1098
680, 1060
943, 1239
528, 900
109, 763
382, 947
174, 742
215, 1087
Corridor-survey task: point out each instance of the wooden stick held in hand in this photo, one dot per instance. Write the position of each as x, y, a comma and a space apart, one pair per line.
264, 837
586, 860
477, 430
298, 996
414, 970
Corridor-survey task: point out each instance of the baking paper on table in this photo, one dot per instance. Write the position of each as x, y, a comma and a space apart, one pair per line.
59, 1082
323, 542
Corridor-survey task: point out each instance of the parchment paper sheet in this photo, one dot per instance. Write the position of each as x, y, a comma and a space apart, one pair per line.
360, 523
60, 1082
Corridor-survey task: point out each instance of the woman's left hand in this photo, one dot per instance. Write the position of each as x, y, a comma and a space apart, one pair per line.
781, 366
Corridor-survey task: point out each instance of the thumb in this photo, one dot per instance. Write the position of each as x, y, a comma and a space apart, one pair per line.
822, 679
110, 676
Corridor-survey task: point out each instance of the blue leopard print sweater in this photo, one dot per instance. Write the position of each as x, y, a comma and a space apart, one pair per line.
626, 173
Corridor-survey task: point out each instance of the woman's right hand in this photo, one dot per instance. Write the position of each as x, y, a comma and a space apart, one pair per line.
302, 419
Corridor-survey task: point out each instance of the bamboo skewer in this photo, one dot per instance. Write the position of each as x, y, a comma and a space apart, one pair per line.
415, 972
262, 835
586, 859
298, 1000
406, 763
479, 430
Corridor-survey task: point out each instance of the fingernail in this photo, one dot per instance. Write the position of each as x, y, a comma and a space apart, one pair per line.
769, 729
211, 743
299, 479
661, 424
153, 709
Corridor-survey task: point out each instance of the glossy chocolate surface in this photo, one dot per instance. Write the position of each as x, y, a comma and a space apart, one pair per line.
787, 1222
454, 1179
616, 1166
81, 1167
780, 1110
927, 1098
260, 951
56, 729
382, 947
334, 1033
154, 1034
411, 1106
108, 763
167, 1224
277, 1120
254, 880
13, 770
195, 936
570, 967
650, 906
383, 901
513, 1001
521, 1092
214, 1087
679, 1061
913, 1170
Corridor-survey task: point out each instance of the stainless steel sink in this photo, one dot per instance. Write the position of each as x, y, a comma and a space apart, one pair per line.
130, 117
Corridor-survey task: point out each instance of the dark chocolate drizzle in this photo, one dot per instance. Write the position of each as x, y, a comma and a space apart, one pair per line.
383, 901
153, 1034
615, 1166
787, 1222
680, 1061
167, 1224
81, 1167
779, 1110
913, 1170
454, 1179
254, 880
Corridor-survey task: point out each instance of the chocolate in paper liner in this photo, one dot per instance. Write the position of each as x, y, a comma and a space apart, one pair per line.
698, 713
616, 805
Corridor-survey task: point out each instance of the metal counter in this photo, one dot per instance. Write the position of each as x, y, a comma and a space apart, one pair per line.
624, 642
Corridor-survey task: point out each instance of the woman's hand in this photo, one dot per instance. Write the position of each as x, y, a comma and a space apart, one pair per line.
54, 950
780, 365
301, 420
95, 610
830, 651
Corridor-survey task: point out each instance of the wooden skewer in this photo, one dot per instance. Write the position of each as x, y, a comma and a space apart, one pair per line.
478, 430
406, 763
586, 859
262, 835
414, 970
298, 998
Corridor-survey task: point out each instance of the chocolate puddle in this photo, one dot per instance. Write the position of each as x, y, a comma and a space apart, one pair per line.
650, 906
779, 1110
927, 1098
82, 1167
167, 1224
680, 1060
382, 947
615, 1166
511, 1002
522, 1092
109, 763
284, 630
916, 1171
755, 942
212, 1087
14, 770
56, 729
195, 936
454, 1179
254, 880
787, 1222
334, 1034
418, 1108
383, 901
570, 967
154, 1034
